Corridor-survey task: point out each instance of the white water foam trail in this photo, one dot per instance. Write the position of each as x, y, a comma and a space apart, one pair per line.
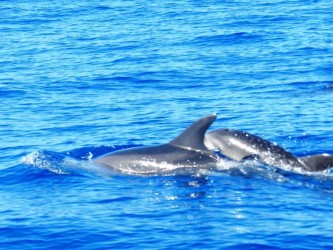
62, 164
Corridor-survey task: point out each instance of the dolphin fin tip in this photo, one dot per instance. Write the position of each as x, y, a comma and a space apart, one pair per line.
212, 116
193, 136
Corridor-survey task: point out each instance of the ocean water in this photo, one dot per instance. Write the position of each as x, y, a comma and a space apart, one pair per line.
82, 78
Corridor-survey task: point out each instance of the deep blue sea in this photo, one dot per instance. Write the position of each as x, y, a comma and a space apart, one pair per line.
82, 78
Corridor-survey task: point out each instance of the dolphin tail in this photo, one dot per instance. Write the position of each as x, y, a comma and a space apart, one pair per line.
318, 162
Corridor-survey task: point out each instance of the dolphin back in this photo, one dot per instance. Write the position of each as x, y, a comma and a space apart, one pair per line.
239, 145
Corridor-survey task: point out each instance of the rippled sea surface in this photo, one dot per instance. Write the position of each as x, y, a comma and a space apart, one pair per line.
82, 78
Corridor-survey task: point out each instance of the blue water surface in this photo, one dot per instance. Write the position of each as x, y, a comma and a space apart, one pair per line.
82, 78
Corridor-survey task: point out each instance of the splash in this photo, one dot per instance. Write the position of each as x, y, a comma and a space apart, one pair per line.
60, 163
46, 160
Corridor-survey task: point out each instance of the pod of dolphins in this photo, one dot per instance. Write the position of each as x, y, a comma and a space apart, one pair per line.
196, 148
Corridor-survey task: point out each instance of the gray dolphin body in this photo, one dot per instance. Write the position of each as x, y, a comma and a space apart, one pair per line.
185, 151
239, 145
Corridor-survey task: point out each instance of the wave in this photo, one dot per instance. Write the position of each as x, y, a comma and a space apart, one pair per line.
225, 39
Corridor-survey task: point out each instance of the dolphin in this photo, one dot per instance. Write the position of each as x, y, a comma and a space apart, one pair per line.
239, 145
187, 150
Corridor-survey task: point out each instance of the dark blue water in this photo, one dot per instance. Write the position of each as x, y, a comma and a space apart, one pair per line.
82, 78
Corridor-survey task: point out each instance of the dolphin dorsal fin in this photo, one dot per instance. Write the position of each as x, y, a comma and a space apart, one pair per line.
193, 136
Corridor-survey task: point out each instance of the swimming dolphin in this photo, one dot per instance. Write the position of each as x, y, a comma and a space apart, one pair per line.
239, 145
185, 151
